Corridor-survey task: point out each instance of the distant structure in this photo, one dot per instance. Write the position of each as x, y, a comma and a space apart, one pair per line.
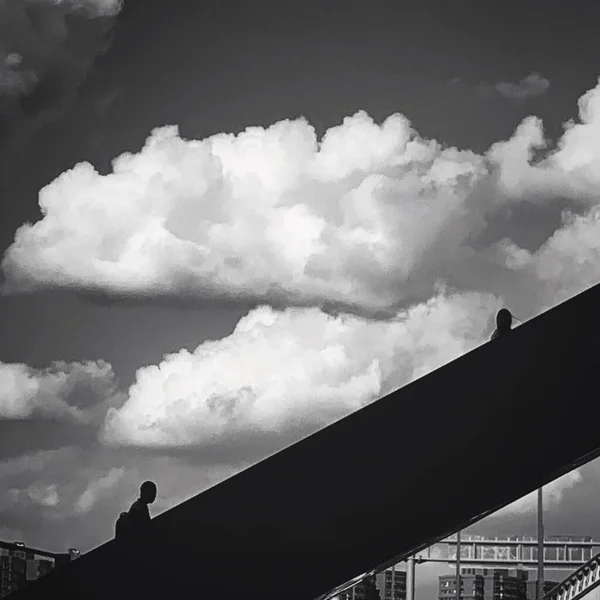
364, 590
13, 570
387, 585
391, 584
503, 584
471, 587
491, 584
532, 588
566, 552
492, 568
20, 565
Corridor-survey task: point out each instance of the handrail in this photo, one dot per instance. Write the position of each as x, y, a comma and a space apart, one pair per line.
586, 578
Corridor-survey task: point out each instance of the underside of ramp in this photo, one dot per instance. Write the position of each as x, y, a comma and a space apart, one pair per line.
382, 483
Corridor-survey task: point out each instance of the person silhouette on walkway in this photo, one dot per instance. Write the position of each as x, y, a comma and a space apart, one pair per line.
139, 515
504, 320
137, 518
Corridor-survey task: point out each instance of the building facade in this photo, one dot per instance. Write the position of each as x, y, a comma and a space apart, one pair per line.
13, 570
471, 587
391, 584
491, 584
485, 584
17, 567
364, 590
531, 588
503, 584
38, 567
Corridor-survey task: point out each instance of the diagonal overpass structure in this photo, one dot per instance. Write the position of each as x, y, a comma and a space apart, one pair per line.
377, 486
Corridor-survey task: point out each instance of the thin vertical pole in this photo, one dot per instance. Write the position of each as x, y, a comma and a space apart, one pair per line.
457, 566
410, 578
540, 565
393, 581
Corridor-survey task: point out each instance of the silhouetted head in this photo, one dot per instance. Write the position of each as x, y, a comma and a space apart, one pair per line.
504, 319
148, 492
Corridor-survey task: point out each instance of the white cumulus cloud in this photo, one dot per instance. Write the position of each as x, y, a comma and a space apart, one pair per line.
273, 213
292, 371
368, 217
64, 390
567, 263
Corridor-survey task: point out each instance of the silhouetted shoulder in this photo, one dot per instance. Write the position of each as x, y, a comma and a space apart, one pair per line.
139, 511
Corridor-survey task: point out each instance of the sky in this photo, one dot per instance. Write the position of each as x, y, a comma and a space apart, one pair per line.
226, 225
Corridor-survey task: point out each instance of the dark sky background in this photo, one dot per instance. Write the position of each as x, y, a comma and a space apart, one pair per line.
220, 66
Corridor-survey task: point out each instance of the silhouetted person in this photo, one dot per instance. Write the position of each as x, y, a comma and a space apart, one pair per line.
138, 516
504, 321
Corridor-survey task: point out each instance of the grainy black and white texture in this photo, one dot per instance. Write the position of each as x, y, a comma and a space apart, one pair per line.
225, 225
